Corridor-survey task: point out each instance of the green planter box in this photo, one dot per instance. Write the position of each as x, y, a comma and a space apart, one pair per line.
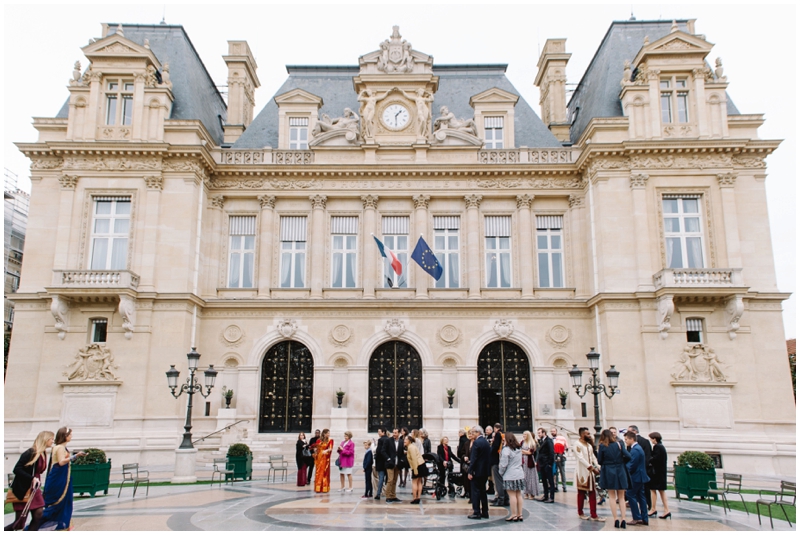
90, 478
242, 467
693, 482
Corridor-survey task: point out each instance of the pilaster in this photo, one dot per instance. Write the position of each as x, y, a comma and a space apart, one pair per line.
370, 203
421, 216
473, 203
265, 252
526, 256
317, 244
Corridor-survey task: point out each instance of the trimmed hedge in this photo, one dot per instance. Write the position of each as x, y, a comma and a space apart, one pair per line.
696, 459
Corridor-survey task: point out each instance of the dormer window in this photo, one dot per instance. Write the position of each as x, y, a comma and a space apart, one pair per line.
119, 102
674, 100
493, 132
298, 133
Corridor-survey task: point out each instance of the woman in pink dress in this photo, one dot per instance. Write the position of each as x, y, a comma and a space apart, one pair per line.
347, 457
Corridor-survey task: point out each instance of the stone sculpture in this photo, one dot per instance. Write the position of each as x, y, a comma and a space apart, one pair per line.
447, 120
422, 121
345, 126
699, 363
93, 363
395, 54
369, 99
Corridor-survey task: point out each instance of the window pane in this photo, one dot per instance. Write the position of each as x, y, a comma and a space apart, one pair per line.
670, 206
233, 275
350, 279
122, 208
99, 329
505, 270
666, 108
103, 207
692, 224
336, 267
111, 111
300, 245
99, 253
438, 242
128, 87
236, 243
490, 243
121, 226
691, 206
544, 271
664, 84
285, 245
452, 243
491, 270
351, 242
558, 281
119, 253
304, 134
680, 83
293, 134
683, 107
112, 86
541, 242
101, 226
505, 243
672, 224
247, 271
453, 270
299, 270
402, 243
674, 253
441, 283
127, 110
694, 252
286, 270
555, 242
249, 242
337, 242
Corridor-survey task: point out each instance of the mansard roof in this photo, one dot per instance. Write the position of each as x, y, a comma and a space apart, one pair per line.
457, 83
196, 95
597, 94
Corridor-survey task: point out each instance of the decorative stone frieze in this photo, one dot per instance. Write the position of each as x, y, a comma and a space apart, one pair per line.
92, 363
115, 163
699, 363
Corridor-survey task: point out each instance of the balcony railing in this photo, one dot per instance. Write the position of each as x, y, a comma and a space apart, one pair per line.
698, 278
95, 279
525, 156
267, 157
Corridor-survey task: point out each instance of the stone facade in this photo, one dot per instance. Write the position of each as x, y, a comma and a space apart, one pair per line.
643, 235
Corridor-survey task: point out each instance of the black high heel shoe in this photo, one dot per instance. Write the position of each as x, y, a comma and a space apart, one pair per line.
668, 515
616, 523
654, 513
622, 525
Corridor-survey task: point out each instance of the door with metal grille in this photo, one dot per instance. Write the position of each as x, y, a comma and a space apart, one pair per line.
287, 386
504, 387
395, 387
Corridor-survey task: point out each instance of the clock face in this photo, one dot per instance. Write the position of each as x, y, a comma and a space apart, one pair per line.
396, 117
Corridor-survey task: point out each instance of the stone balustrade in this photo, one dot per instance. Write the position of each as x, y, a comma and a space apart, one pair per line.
698, 278
95, 279
266, 157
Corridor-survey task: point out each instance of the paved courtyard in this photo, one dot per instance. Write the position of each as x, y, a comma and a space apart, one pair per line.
260, 505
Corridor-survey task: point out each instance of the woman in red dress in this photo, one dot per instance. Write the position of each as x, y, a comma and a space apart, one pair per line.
324, 447
27, 472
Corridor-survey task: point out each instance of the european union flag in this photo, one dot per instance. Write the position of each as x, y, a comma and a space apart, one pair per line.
423, 256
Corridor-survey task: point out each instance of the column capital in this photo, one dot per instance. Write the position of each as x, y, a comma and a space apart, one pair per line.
217, 201
726, 180
68, 181
524, 200
155, 182
473, 201
639, 180
267, 201
576, 201
369, 201
421, 201
318, 201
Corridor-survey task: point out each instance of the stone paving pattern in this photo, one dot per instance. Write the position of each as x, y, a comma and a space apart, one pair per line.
261, 505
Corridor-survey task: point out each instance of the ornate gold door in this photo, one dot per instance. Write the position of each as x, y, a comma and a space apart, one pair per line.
287, 386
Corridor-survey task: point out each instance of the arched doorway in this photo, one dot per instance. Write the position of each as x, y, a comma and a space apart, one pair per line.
287, 386
504, 387
395, 387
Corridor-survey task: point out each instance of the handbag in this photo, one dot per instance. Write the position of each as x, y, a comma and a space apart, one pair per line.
531, 462
338, 463
306, 452
19, 524
12, 498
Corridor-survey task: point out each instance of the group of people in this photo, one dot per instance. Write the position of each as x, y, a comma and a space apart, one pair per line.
50, 507
631, 468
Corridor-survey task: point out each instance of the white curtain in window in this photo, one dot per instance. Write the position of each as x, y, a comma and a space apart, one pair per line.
674, 256
286, 270
350, 279
694, 252
233, 279
505, 270
337, 270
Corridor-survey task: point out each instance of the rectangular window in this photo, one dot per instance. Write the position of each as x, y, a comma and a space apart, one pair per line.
110, 233
293, 252
683, 231
493, 132
674, 100
498, 251
99, 330
344, 247
694, 330
550, 251
298, 133
446, 249
119, 91
395, 237
242, 253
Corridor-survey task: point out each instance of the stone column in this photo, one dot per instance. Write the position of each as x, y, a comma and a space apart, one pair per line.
265, 244
317, 250
526, 255
216, 204
66, 202
150, 250
368, 249
580, 254
473, 245
421, 215
727, 181
644, 271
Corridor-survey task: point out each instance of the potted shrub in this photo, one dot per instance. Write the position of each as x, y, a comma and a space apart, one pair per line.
562, 394
240, 456
91, 473
451, 393
228, 395
340, 397
693, 471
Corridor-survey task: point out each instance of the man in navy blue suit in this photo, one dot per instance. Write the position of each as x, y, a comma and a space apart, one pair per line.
480, 465
638, 472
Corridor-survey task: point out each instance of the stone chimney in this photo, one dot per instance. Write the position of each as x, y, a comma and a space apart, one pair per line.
552, 83
242, 85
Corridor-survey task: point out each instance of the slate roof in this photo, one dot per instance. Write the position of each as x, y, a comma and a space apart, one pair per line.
196, 95
457, 83
597, 94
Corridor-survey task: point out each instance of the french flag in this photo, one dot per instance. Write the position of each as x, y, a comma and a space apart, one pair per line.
396, 265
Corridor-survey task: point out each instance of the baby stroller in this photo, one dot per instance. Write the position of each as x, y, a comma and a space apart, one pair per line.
457, 481
435, 482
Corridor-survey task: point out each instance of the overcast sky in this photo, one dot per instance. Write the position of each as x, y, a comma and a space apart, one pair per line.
757, 45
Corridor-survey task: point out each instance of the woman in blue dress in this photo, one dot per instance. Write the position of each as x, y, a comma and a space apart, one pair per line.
58, 488
612, 456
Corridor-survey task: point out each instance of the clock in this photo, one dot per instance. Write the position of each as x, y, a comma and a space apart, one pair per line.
395, 117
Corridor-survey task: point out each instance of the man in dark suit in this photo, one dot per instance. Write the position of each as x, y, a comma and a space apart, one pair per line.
547, 457
311, 443
638, 472
500, 495
479, 468
647, 448
395, 449
382, 458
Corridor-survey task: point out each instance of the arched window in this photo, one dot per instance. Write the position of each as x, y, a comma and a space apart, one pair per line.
504, 387
287, 386
395, 387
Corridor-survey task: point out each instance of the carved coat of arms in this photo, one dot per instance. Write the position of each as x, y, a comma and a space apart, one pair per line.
395, 54
92, 363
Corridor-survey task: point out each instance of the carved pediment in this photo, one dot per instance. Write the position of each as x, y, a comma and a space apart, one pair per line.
115, 45
675, 43
298, 96
395, 56
495, 95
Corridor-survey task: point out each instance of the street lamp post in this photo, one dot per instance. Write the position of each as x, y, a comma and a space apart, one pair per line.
190, 387
595, 387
